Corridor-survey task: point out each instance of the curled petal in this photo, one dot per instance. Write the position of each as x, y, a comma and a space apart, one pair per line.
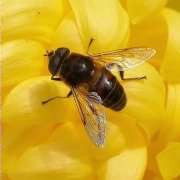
105, 21
169, 161
170, 130
166, 25
145, 98
122, 134
128, 152
61, 156
151, 36
16, 138
21, 59
171, 64
173, 4
31, 20
24, 102
130, 164
67, 35
139, 10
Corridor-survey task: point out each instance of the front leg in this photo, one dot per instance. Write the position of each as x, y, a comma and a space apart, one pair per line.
55, 79
68, 95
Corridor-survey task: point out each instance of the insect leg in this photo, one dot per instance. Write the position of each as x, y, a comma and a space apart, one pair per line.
90, 42
55, 79
134, 78
68, 95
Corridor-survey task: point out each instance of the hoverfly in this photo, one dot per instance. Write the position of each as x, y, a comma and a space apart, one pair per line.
93, 85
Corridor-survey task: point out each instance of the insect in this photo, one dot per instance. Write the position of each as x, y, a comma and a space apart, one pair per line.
93, 85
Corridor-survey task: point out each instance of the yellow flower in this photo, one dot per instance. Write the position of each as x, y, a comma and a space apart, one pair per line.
49, 141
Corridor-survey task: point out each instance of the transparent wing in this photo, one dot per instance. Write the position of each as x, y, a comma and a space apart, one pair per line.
92, 115
123, 59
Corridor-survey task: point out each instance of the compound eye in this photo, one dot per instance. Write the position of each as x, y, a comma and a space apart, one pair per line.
56, 59
54, 64
62, 52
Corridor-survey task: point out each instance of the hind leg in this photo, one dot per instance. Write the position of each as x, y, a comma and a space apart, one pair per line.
131, 78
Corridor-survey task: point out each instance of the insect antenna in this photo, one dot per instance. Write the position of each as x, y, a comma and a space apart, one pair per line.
90, 42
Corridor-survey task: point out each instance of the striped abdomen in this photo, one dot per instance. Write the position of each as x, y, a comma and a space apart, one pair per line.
110, 90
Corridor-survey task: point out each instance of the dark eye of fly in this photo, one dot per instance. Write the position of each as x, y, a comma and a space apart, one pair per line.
56, 59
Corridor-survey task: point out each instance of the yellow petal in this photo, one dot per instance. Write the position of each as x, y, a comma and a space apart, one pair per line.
31, 19
61, 156
21, 59
139, 10
152, 168
18, 137
67, 35
170, 130
171, 64
173, 111
169, 161
152, 33
122, 133
164, 38
145, 98
24, 102
127, 166
105, 21
174, 4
